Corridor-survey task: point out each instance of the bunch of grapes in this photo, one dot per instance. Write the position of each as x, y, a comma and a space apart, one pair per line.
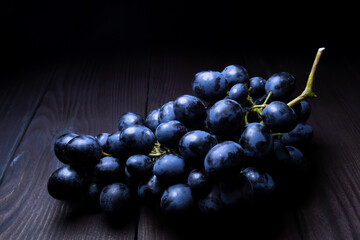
229, 144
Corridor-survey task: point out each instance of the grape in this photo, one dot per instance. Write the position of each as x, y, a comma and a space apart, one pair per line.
261, 182
129, 119
239, 92
92, 195
102, 139
225, 117
297, 160
211, 204
194, 146
302, 110
66, 183
280, 84
169, 133
300, 135
60, 146
137, 139
115, 198
235, 190
152, 120
114, 147
224, 158
281, 153
109, 170
177, 200
139, 165
83, 151
279, 117
170, 169
234, 74
256, 141
190, 111
198, 182
150, 190
208, 86
257, 85
166, 112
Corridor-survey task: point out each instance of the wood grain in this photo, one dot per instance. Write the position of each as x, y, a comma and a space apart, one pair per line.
332, 210
85, 97
20, 96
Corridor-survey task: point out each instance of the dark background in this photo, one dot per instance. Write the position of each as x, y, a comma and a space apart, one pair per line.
34, 31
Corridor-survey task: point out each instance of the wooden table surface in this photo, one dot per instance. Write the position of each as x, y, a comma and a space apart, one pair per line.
87, 94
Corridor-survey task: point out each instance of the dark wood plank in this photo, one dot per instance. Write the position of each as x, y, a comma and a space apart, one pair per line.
171, 76
20, 96
332, 210
86, 97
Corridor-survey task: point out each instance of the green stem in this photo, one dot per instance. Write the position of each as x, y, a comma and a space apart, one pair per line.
267, 98
106, 154
156, 151
261, 106
246, 117
308, 91
249, 99
277, 134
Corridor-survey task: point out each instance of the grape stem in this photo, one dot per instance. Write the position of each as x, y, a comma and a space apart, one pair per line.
308, 91
257, 108
277, 134
248, 99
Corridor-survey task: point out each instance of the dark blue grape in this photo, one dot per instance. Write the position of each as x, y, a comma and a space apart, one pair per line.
169, 133
224, 158
190, 110
150, 190
208, 86
257, 85
302, 110
225, 117
256, 141
280, 84
199, 182
102, 139
115, 198
83, 151
139, 166
114, 147
66, 183
129, 119
92, 195
261, 182
239, 92
170, 169
109, 170
166, 112
211, 204
137, 139
279, 117
194, 146
297, 164
234, 74
235, 190
281, 153
177, 200
152, 120
299, 136
60, 146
